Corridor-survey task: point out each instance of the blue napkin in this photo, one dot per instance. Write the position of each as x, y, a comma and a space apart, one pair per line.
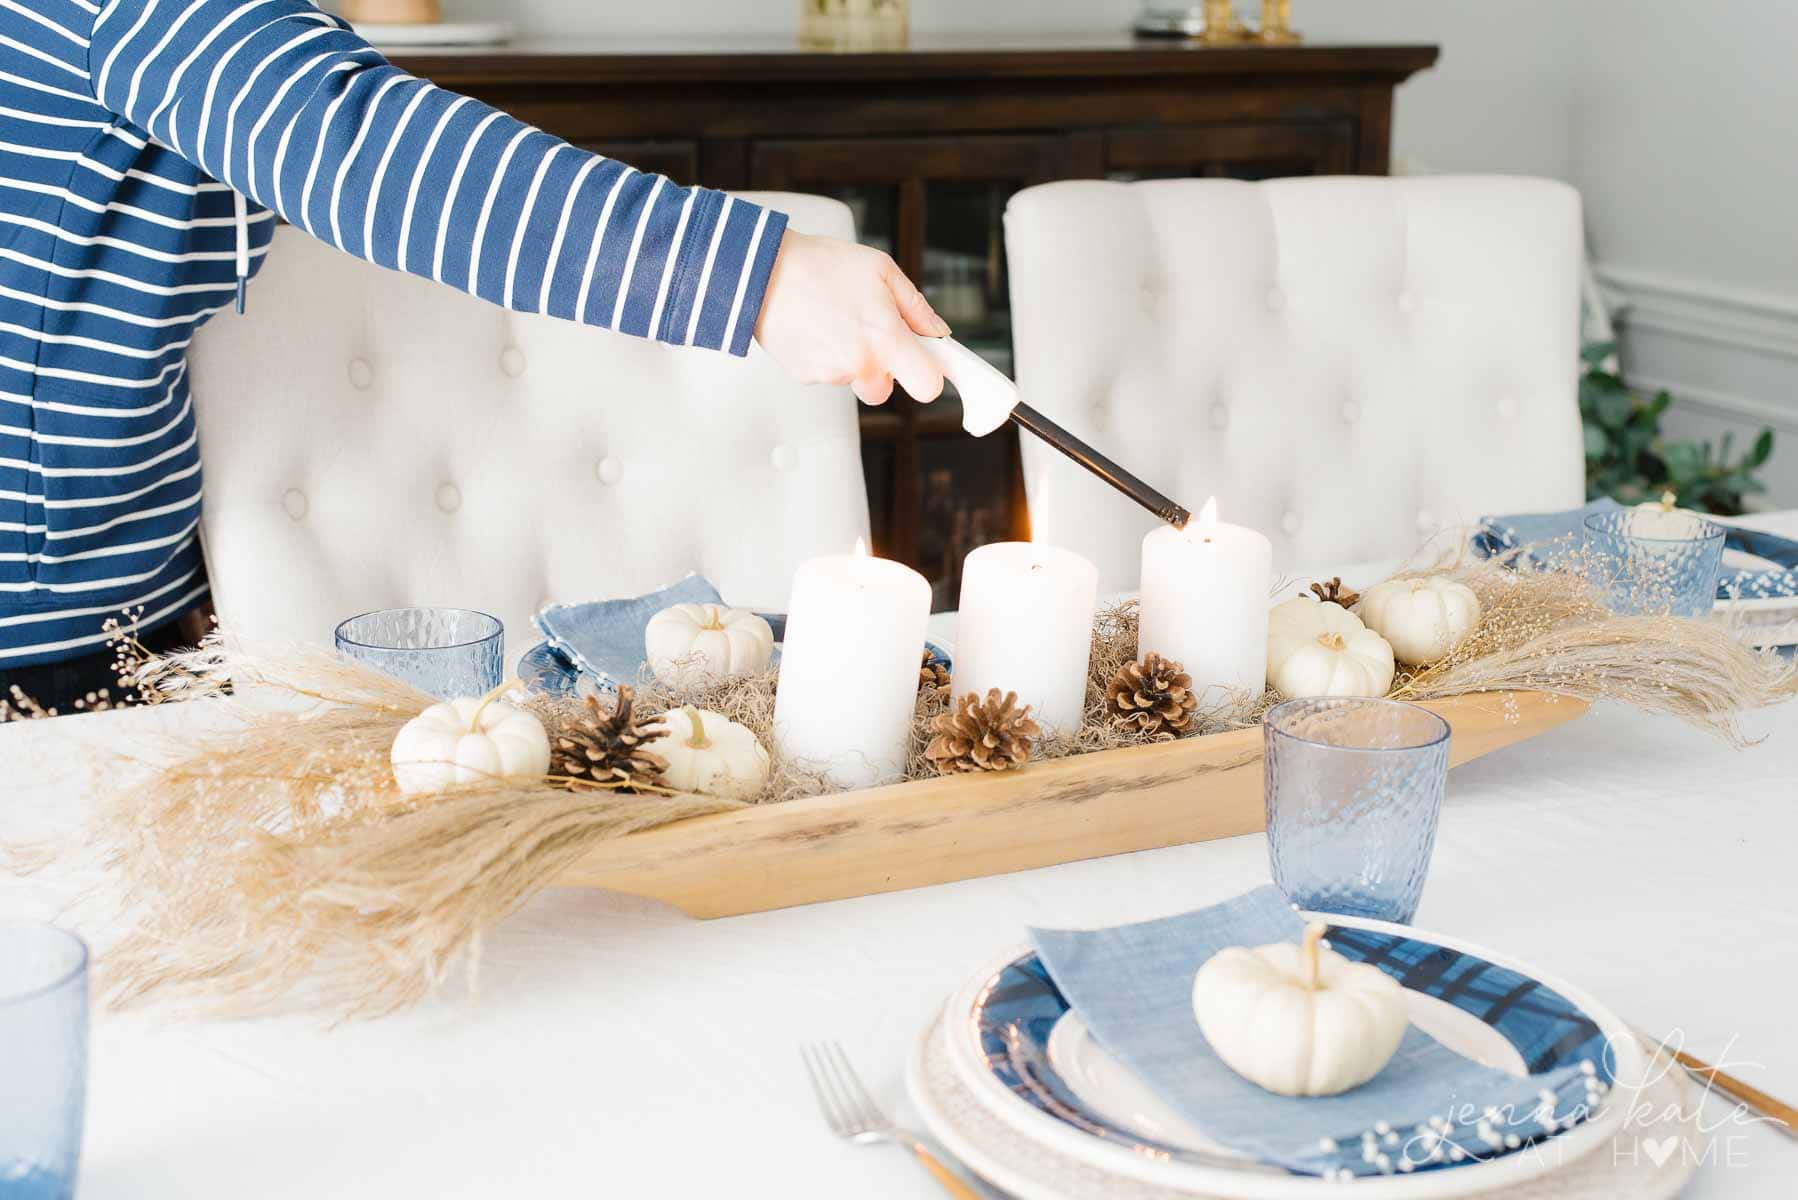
604, 638
1429, 1107
1545, 537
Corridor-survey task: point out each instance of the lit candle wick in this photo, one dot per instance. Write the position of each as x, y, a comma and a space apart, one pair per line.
1206, 521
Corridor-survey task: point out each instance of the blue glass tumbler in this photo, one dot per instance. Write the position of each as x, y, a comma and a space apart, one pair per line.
1650, 562
447, 652
1354, 790
43, 1060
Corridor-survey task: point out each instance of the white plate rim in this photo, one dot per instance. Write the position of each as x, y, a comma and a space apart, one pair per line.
1505, 1171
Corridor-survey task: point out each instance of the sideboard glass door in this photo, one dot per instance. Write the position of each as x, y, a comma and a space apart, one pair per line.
937, 206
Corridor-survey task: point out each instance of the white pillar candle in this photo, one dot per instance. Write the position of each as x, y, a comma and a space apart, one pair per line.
849, 668
1204, 604
1025, 626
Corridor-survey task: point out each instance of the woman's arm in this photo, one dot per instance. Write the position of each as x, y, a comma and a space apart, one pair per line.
292, 108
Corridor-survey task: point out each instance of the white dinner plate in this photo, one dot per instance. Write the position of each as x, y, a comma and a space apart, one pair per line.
1028, 1170
1109, 1120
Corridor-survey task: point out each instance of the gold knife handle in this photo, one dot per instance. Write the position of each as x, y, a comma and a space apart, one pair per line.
951, 1183
1783, 1118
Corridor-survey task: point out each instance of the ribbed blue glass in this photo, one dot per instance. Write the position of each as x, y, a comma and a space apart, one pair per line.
43, 1060
1354, 789
448, 652
1654, 562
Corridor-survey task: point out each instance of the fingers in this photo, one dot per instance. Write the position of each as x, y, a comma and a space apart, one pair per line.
913, 306
872, 387
915, 370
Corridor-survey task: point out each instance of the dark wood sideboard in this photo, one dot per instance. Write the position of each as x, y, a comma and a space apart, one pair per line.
926, 144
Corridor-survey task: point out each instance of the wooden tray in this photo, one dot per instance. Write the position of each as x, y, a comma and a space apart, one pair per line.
929, 831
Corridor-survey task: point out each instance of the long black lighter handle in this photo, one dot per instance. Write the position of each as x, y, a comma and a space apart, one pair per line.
1098, 464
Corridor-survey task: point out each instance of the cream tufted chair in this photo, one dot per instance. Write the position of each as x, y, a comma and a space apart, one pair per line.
1353, 366
372, 439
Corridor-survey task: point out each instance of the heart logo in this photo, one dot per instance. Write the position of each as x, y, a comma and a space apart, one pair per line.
1660, 1151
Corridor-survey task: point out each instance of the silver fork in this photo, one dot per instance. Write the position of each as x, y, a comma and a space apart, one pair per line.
852, 1114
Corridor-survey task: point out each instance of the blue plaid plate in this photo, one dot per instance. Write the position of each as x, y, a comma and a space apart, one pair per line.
1016, 1042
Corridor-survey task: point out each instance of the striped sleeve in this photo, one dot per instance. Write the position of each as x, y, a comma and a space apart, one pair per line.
290, 107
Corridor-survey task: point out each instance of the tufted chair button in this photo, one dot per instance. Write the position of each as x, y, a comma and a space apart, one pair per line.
1276, 300
1407, 302
361, 374
449, 497
1220, 416
1426, 522
783, 458
293, 500
609, 470
1351, 412
511, 362
1289, 524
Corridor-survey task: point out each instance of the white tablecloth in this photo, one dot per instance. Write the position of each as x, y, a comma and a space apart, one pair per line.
620, 1049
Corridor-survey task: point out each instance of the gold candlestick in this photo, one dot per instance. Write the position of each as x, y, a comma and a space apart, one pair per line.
1276, 24
1222, 28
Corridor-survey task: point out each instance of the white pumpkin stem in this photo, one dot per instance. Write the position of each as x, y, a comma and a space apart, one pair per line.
1668, 499
699, 741
711, 619
1331, 641
474, 719
1314, 933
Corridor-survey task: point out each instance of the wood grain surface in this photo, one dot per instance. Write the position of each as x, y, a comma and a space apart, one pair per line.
933, 831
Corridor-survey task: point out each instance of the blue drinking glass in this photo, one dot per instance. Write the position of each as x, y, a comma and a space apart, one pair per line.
1354, 790
1654, 562
447, 652
43, 1060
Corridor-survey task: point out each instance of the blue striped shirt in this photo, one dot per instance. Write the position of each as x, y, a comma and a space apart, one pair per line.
118, 122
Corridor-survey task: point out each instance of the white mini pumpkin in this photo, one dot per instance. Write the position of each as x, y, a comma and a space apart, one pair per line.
1321, 649
1423, 619
706, 640
470, 740
1299, 1020
708, 752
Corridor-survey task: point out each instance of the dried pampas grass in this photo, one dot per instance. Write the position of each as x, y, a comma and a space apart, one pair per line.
274, 864
1549, 631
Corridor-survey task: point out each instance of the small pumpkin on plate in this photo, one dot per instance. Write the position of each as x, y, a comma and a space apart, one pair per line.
1299, 1020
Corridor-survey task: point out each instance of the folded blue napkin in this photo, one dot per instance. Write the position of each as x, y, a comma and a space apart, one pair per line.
604, 638
1544, 538
1429, 1108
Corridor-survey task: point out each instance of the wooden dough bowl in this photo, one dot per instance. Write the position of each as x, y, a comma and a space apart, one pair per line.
928, 831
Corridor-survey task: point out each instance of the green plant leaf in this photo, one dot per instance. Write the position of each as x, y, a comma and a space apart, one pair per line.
1594, 353
1613, 408
1762, 451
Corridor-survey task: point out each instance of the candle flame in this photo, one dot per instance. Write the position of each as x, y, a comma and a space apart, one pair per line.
1207, 518
861, 547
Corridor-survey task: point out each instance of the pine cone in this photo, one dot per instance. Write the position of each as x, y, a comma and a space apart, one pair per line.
1154, 696
608, 747
982, 735
1334, 593
931, 673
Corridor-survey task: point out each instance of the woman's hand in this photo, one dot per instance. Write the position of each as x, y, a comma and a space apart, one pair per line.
836, 312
